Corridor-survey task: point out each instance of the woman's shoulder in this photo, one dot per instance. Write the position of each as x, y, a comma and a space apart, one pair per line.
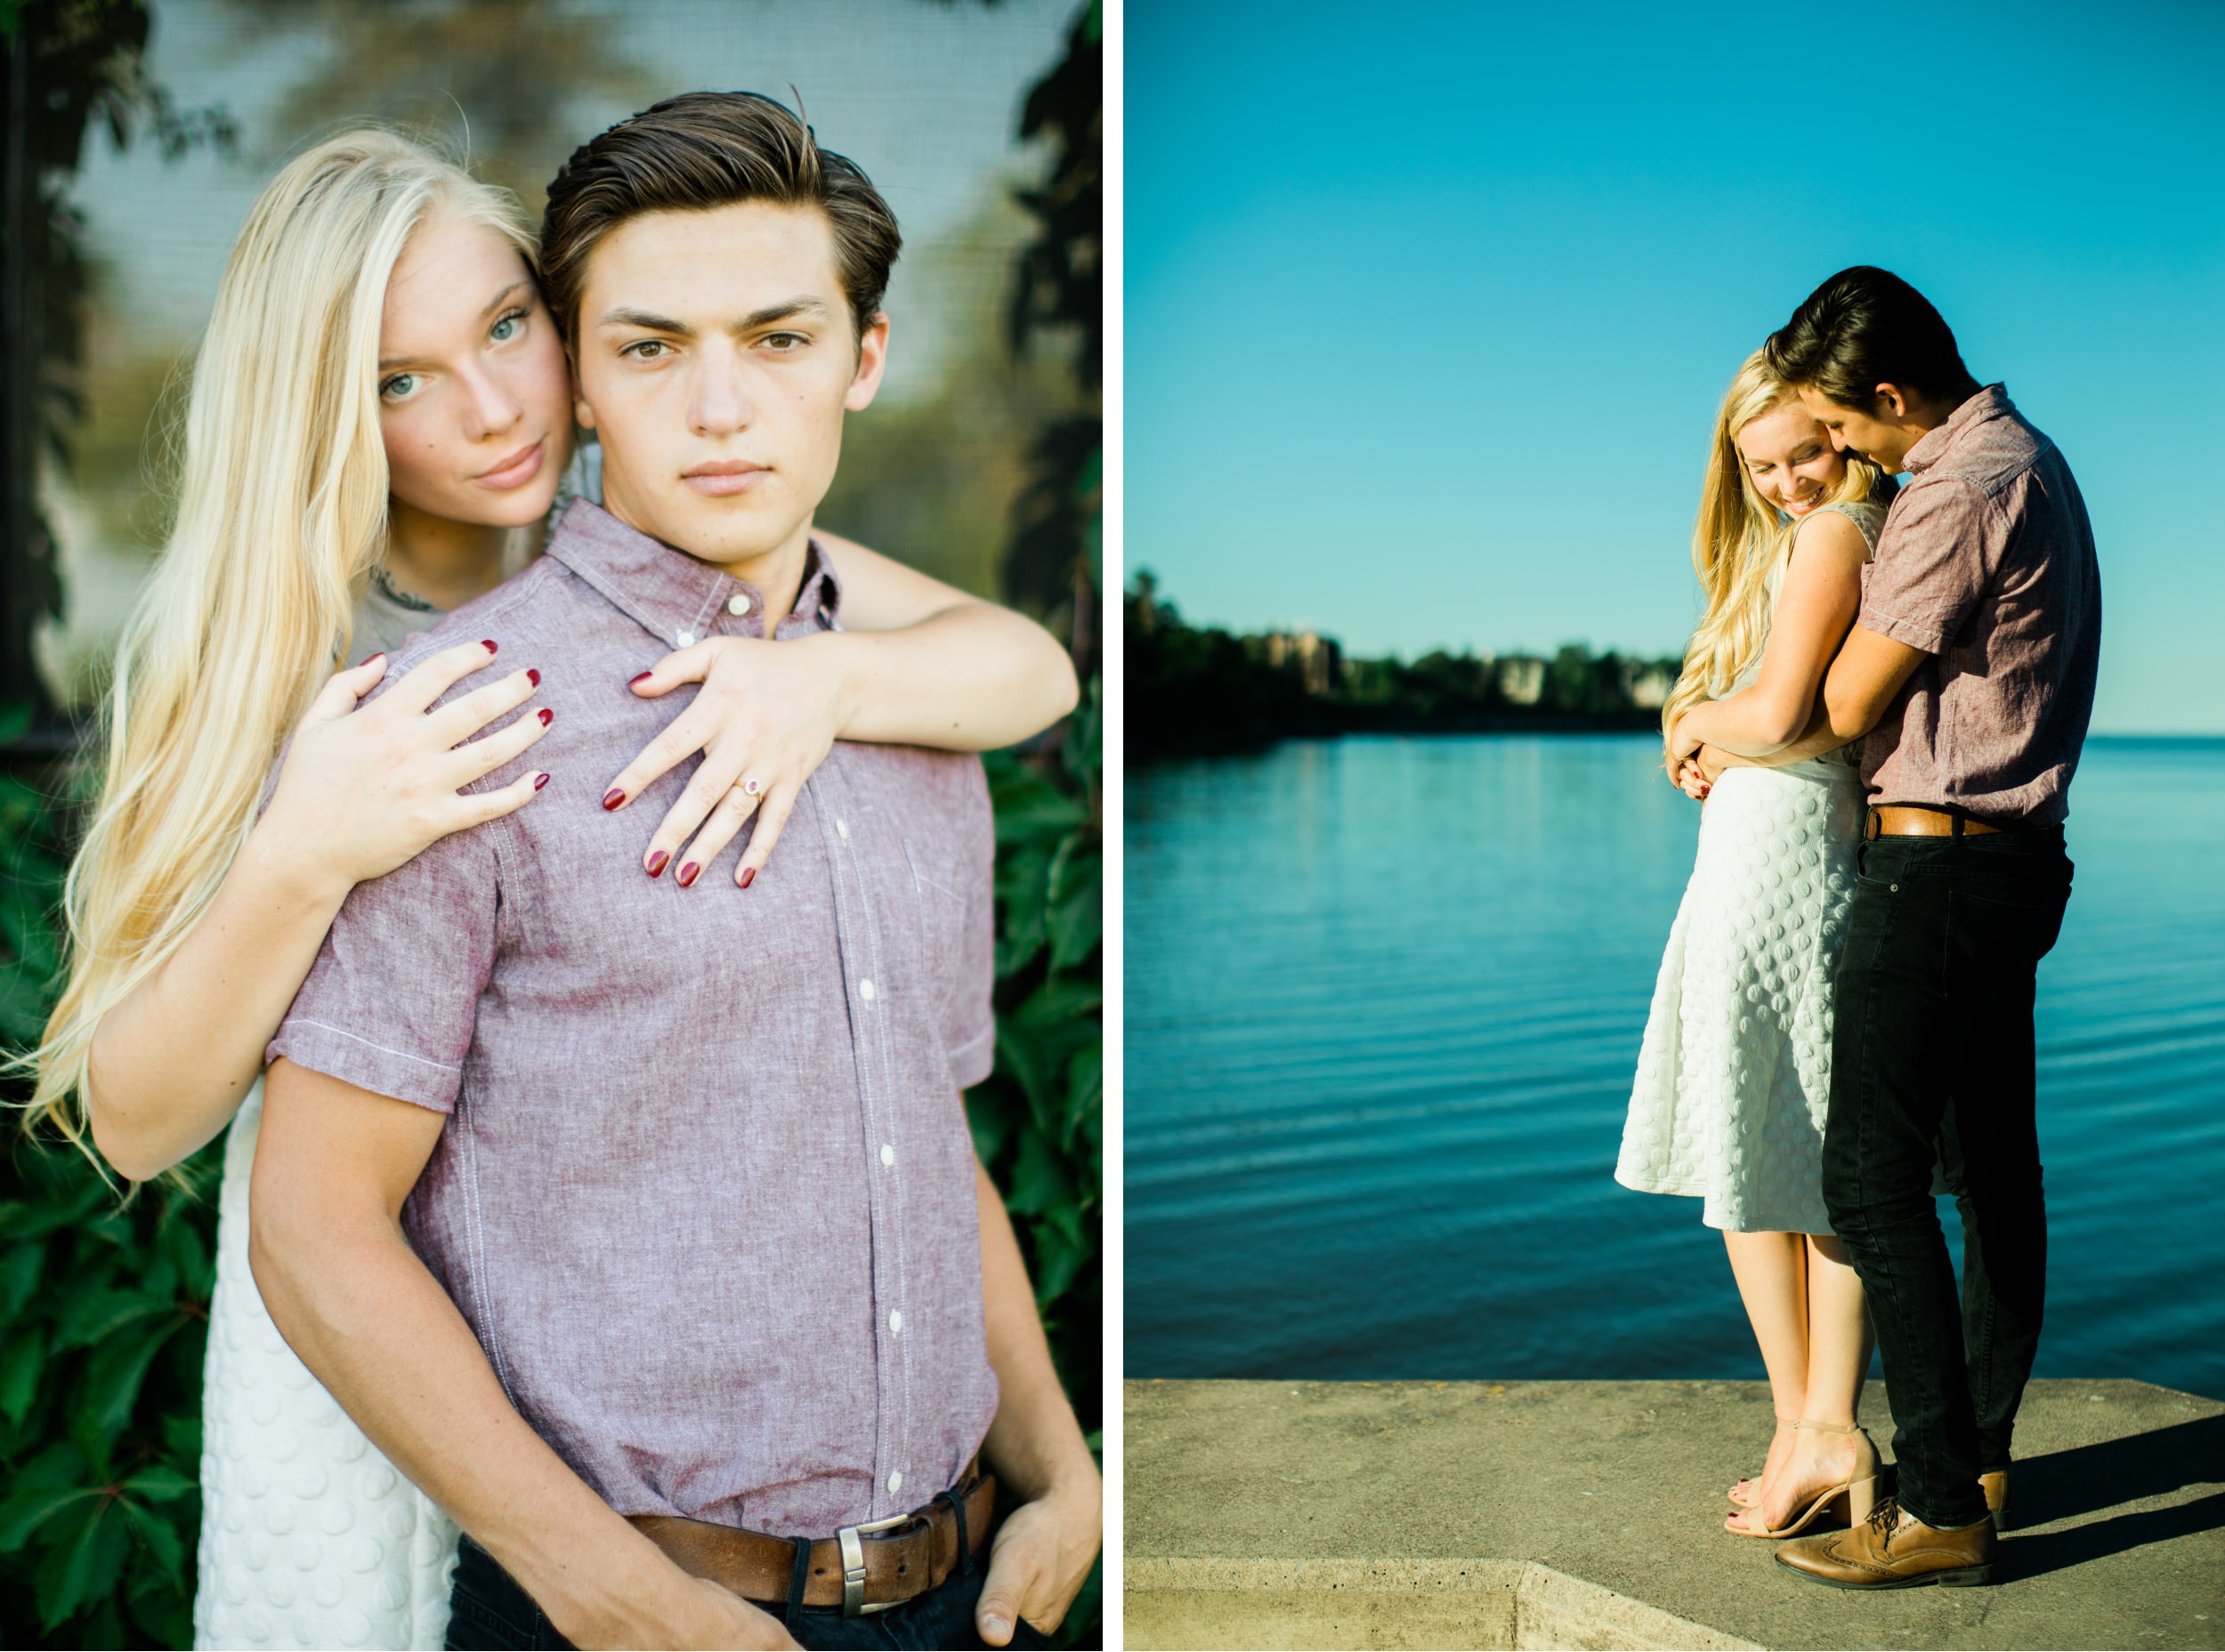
1849, 527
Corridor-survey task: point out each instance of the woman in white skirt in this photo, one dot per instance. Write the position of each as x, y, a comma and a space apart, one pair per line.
1733, 1074
379, 415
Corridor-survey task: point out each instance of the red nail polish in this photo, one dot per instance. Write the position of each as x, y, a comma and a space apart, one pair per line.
643, 678
686, 874
488, 642
613, 797
657, 862
376, 657
545, 716
533, 676
748, 877
539, 781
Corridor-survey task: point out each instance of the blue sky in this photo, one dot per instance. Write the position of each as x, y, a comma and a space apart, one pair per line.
1428, 307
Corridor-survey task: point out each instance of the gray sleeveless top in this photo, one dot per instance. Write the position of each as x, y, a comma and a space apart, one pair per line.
384, 615
1845, 762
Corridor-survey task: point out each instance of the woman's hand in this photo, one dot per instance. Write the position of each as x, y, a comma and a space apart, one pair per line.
364, 789
766, 717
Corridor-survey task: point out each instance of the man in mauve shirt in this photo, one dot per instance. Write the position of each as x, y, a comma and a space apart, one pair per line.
1970, 671
635, 1217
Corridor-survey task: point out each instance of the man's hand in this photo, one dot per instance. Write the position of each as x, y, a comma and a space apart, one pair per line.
1035, 1447
1040, 1559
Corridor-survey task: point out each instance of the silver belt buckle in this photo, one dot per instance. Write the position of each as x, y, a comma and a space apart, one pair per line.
850, 1540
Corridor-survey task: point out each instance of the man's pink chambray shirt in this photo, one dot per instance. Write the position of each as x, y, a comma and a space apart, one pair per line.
706, 1191
1987, 563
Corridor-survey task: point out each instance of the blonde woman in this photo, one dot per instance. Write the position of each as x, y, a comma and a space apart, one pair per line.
1733, 1074
378, 418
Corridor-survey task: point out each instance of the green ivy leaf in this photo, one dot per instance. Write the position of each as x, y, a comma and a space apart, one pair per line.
100, 1314
21, 1360
161, 1537
1039, 1178
84, 1567
1058, 1260
1076, 919
19, 1278
160, 1484
25, 1512
117, 1367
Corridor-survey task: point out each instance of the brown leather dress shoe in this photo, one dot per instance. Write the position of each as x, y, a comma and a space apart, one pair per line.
1894, 1549
1994, 1484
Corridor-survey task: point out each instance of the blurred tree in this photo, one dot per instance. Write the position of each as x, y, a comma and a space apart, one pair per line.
68, 63
932, 477
504, 75
1056, 562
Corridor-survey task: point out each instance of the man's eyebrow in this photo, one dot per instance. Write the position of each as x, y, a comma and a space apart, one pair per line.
646, 319
786, 310
387, 363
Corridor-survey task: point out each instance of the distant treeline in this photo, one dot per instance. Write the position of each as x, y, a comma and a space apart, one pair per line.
1194, 690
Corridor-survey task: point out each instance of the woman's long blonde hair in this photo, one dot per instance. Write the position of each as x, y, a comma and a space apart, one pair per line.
1738, 538
281, 514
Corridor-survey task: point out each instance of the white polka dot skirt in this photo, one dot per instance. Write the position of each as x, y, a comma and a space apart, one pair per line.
309, 1535
1734, 1073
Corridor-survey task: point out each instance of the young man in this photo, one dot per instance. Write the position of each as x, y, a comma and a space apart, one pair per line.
1971, 671
681, 1288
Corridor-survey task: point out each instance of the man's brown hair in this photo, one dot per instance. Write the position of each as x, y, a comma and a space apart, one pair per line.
706, 149
1864, 328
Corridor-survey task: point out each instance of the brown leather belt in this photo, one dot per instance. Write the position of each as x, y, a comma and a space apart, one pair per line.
1909, 820
861, 1569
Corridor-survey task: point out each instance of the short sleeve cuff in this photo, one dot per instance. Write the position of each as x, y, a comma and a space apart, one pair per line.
1927, 639
374, 1067
975, 1059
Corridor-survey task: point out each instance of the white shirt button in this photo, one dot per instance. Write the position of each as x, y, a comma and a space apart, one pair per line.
865, 991
738, 605
685, 639
842, 827
896, 1319
888, 1154
896, 1482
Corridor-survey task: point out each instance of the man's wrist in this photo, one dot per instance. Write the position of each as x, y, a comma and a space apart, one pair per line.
593, 1593
1051, 1477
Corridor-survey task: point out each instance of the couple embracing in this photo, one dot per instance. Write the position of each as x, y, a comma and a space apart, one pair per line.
1882, 711
605, 1172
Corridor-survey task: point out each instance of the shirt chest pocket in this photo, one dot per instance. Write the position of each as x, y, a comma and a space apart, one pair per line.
939, 898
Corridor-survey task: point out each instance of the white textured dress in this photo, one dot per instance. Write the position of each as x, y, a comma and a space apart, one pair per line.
309, 1536
1734, 1073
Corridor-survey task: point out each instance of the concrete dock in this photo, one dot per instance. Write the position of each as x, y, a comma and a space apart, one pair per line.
1589, 1515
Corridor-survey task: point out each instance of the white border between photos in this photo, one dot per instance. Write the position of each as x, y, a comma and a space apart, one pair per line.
1114, 777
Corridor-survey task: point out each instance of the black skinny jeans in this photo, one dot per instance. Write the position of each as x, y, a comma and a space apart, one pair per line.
1933, 1062
490, 1610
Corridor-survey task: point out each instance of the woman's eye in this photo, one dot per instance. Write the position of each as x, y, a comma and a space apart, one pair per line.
507, 328
400, 387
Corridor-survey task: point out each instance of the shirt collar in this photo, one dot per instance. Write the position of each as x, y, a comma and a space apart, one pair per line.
674, 597
1936, 443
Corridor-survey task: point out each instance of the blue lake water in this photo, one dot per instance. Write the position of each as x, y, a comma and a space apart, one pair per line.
1383, 1000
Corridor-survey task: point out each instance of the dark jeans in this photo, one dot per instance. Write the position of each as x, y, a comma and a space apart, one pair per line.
1933, 1062
488, 1609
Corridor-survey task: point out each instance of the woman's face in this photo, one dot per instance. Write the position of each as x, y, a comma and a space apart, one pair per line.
1789, 459
475, 393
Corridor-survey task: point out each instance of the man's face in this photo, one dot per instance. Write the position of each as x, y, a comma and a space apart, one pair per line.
716, 360
1854, 430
